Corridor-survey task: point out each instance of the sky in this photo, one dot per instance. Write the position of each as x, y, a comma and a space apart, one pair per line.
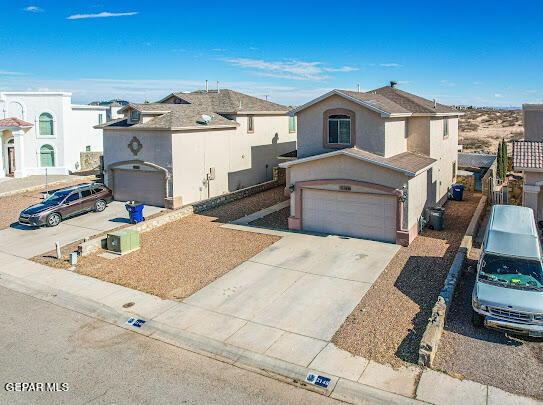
462, 52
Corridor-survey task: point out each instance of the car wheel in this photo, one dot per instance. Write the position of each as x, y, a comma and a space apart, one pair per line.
53, 219
100, 205
477, 319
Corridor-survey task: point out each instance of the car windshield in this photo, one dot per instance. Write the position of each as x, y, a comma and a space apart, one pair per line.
56, 197
512, 272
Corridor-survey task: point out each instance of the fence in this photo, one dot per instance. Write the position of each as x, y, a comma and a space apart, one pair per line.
498, 192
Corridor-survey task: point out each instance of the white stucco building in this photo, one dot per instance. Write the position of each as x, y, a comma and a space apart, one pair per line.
41, 130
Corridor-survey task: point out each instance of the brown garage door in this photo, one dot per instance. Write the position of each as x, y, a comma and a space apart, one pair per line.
143, 186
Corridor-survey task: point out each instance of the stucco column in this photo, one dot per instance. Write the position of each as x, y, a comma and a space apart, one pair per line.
530, 198
18, 139
2, 163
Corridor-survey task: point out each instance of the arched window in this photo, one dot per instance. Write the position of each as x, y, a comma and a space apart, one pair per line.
47, 156
339, 129
46, 124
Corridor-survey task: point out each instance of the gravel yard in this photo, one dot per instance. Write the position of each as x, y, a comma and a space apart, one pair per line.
179, 258
277, 220
389, 321
512, 363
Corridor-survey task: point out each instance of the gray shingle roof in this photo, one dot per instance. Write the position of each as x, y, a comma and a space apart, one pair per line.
411, 102
378, 101
481, 160
527, 155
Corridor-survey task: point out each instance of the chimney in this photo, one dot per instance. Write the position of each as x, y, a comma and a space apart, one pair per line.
206, 87
393, 83
218, 88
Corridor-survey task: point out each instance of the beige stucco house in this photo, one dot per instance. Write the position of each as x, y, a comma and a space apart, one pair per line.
528, 158
192, 146
369, 163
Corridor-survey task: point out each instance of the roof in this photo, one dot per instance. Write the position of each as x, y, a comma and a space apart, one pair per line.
511, 231
482, 160
229, 101
389, 102
409, 163
14, 122
187, 110
527, 155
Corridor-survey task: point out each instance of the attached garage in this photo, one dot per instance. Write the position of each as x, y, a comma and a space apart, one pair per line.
139, 185
360, 215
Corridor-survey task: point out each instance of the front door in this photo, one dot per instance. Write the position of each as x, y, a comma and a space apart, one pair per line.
11, 160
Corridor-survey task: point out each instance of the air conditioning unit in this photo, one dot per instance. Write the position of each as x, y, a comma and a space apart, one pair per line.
123, 242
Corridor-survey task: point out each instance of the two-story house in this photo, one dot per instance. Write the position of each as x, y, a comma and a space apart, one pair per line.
369, 163
192, 146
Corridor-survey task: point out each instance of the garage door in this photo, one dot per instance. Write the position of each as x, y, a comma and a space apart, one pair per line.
144, 186
360, 215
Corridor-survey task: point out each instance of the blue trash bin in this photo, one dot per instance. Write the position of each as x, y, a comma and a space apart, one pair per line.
457, 192
135, 211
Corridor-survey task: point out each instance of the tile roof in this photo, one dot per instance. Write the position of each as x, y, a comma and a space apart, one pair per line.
527, 155
408, 162
481, 160
14, 122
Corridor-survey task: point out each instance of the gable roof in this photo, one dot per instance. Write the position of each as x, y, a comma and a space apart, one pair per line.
389, 102
527, 155
409, 163
482, 160
228, 101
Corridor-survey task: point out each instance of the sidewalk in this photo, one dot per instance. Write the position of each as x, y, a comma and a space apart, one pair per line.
352, 379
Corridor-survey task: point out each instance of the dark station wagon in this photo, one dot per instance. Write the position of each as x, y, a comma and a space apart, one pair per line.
65, 203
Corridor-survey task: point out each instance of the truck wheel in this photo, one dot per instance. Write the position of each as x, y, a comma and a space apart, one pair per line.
53, 219
100, 205
477, 319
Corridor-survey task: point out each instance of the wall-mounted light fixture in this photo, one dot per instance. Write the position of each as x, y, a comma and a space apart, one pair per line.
291, 188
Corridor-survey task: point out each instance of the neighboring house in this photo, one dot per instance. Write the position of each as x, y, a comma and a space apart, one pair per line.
369, 163
40, 130
113, 107
528, 158
191, 146
481, 167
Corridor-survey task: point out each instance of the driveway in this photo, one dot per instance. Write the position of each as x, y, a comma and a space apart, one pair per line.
289, 298
28, 242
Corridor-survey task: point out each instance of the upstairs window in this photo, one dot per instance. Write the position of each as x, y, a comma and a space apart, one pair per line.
134, 116
339, 130
46, 124
250, 124
291, 123
445, 128
100, 119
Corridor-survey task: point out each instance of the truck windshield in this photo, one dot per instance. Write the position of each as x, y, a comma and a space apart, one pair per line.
512, 272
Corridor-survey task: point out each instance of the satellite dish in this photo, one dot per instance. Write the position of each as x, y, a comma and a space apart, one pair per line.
204, 119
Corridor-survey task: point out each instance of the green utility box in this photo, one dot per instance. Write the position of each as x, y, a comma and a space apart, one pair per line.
122, 242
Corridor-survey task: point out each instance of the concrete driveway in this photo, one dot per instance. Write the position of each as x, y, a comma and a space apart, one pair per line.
288, 300
28, 242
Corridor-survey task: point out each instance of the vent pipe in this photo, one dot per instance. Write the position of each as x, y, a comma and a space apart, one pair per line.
393, 83
435, 103
358, 87
206, 87
218, 88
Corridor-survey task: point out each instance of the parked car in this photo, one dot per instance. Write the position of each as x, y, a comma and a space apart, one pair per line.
65, 203
508, 292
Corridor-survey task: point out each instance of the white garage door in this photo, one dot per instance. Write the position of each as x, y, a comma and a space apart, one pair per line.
367, 216
137, 185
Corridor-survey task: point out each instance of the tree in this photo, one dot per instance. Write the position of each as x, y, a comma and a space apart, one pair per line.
505, 158
500, 172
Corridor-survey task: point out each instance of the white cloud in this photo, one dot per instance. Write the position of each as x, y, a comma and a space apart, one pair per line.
498, 95
10, 73
392, 64
447, 83
103, 14
218, 49
33, 9
289, 69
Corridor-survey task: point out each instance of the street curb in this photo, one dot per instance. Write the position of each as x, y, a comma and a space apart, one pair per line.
434, 329
339, 388
40, 187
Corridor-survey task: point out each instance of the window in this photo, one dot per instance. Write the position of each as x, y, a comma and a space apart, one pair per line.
250, 123
87, 148
100, 119
292, 123
46, 124
73, 197
47, 156
134, 116
86, 193
445, 128
339, 130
